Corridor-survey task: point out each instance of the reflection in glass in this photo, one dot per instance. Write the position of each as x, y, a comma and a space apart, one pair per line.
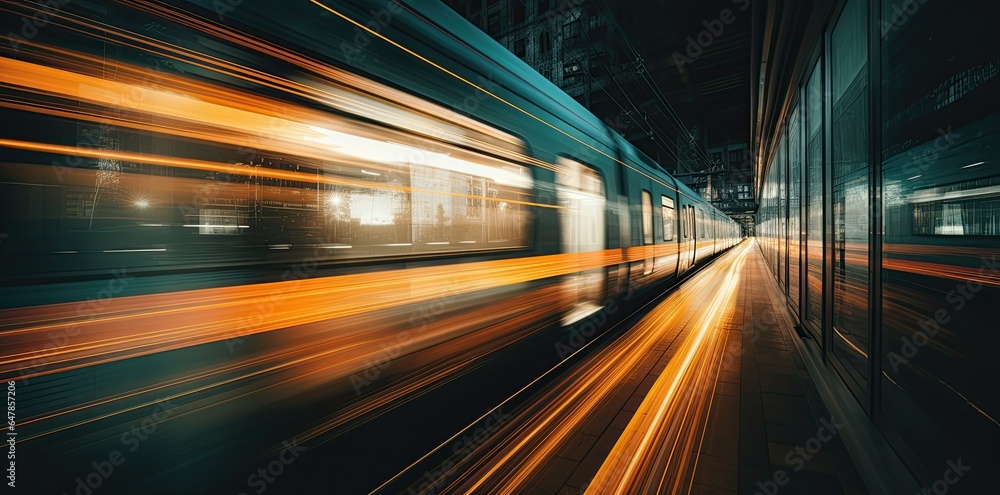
814, 179
850, 194
581, 194
941, 183
794, 202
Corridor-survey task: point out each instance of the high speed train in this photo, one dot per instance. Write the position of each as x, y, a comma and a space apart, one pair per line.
247, 208
209, 136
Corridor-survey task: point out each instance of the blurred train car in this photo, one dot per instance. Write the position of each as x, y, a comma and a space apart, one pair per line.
170, 144
297, 176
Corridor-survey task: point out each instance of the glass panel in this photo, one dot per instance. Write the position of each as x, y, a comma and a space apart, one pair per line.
794, 192
581, 194
647, 217
694, 232
782, 223
683, 228
850, 195
941, 189
669, 218
814, 165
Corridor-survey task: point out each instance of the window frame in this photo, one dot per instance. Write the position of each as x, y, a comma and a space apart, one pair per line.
647, 217
669, 214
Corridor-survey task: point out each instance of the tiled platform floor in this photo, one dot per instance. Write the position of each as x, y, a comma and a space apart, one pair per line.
768, 431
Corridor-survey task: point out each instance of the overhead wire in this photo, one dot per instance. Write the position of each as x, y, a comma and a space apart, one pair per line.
658, 97
653, 127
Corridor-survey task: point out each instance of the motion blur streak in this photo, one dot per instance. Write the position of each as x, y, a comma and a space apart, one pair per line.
666, 425
239, 121
353, 96
962, 274
656, 447
459, 352
654, 454
447, 351
229, 217
135, 326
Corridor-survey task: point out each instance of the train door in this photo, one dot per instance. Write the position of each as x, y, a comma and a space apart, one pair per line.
694, 234
668, 214
581, 195
683, 231
713, 233
647, 232
687, 237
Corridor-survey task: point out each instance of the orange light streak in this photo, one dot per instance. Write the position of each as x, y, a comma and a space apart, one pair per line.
635, 463
138, 325
549, 423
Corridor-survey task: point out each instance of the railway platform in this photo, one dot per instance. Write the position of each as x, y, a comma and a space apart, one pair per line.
767, 428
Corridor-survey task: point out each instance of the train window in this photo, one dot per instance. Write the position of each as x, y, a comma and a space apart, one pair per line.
669, 218
581, 194
701, 222
965, 208
972, 217
331, 184
647, 217
429, 201
694, 224
685, 224
580, 191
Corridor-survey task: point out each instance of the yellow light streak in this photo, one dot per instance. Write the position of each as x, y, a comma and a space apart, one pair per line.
550, 422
